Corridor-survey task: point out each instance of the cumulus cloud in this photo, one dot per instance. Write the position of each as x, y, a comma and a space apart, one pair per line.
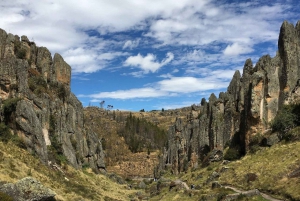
89, 60
63, 26
131, 44
190, 84
237, 49
199, 36
148, 63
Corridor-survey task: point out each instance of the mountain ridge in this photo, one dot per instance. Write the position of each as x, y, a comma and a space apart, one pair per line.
43, 112
250, 103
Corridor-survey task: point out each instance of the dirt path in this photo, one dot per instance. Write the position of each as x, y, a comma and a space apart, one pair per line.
268, 197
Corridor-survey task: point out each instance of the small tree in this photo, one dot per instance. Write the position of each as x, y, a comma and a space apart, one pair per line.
102, 103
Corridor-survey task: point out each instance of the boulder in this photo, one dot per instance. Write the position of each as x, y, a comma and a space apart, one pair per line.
271, 140
28, 189
178, 184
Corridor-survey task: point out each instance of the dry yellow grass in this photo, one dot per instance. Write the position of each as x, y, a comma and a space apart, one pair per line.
272, 167
16, 163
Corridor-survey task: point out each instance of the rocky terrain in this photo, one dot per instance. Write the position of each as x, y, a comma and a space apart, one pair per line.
244, 111
39, 107
44, 129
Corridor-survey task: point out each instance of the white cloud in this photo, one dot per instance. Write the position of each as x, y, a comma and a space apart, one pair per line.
148, 63
173, 86
175, 71
61, 26
168, 75
128, 94
168, 106
190, 84
131, 44
237, 49
89, 60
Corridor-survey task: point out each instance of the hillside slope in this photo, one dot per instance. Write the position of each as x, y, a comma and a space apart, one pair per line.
67, 182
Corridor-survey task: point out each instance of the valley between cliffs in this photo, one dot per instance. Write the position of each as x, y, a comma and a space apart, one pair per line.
247, 137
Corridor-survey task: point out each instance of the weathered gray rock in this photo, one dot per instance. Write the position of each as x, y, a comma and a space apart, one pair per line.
29, 123
250, 103
28, 189
178, 184
49, 115
270, 140
214, 176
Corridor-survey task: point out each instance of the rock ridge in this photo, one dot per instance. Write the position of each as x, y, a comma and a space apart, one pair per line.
243, 111
48, 117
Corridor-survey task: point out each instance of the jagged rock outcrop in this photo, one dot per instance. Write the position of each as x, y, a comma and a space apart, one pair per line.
47, 112
244, 110
28, 189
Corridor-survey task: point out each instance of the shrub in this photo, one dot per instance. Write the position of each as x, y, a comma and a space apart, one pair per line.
37, 84
232, 154
61, 159
286, 119
254, 148
5, 134
9, 106
21, 53
292, 135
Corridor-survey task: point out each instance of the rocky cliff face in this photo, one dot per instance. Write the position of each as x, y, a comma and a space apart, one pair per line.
244, 110
47, 114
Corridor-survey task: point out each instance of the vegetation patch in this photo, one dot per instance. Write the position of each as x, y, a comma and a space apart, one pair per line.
232, 154
9, 107
287, 118
142, 135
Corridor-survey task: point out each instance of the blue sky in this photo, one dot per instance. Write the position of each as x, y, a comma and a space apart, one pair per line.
150, 54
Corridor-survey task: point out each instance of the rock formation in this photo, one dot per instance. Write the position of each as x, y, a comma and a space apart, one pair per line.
244, 110
28, 189
46, 113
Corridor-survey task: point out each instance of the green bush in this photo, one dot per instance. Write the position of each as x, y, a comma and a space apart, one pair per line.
21, 53
254, 148
286, 119
9, 106
37, 84
232, 154
292, 135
